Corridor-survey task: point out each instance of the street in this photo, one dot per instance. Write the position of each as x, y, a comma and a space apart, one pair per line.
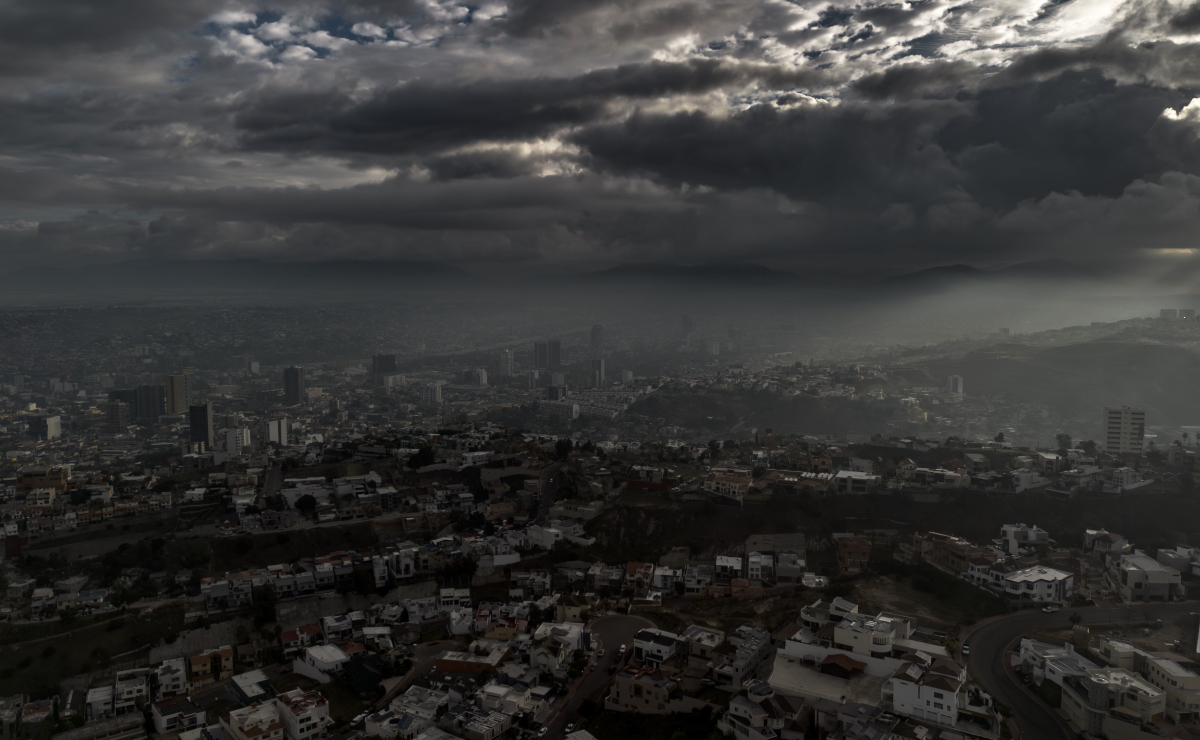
611, 633
988, 643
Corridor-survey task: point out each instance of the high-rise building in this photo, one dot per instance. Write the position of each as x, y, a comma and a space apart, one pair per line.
116, 416
541, 356
200, 424
1124, 429
480, 376
598, 378
506, 363
383, 364
597, 339
43, 426
293, 385
955, 385
554, 350
179, 392
431, 393
626, 376
151, 403
236, 440
688, 326
277, 431
712, 347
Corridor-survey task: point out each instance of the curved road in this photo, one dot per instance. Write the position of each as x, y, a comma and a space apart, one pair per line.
989, 640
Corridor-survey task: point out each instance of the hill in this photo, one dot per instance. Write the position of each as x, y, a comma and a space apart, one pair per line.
1077, 380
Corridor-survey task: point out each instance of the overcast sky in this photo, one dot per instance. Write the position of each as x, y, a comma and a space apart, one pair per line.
538, 135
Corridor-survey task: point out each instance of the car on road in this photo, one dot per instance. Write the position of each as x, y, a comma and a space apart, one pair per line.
542, 732
600, 654
1049, 609
358, 719
592, 667
966, 650
571, 728
621, 651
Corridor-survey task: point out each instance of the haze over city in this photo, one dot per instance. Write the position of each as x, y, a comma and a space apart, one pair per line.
599, 370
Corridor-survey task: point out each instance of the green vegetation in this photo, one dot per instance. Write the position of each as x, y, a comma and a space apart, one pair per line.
35, 670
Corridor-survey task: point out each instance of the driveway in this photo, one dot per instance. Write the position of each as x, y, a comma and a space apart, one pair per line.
989, 640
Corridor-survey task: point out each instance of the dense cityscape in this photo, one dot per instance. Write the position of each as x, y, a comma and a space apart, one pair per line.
619, 530
599, 370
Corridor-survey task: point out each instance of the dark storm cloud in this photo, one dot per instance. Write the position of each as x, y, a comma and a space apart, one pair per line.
1187, 20
426, 116
596, 130
815, 152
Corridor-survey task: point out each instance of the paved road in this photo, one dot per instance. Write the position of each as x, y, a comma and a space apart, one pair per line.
611, 632
988, 642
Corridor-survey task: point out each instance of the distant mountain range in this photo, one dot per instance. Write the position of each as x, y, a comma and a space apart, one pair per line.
225, 276
950, 276
217, 277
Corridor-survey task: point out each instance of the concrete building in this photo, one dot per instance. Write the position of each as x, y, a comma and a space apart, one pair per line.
1124, 429
1039, 584
1138, 577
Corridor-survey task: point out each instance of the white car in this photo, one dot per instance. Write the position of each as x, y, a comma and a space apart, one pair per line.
1049, 609
542, 732
966, 650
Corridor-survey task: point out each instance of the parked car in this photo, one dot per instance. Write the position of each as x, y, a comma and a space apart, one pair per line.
542, 732
621, 651
1049, 609
571, 728
600, 654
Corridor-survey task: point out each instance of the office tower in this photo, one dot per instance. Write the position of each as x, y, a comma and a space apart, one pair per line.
431, 393
506, 363
955, 385
626, 376
200, 424
383, 364
532, 380
480, 376
734, 334
598, 372
1168, 313
688, 326
541, 356
1187, 314
556, 392
554, 350
45, 427
558, 378
127, 396
597, 339
277, 431
1124, 429
116, 416
712, 347
179, 392
151, 403
236, 440
293, 385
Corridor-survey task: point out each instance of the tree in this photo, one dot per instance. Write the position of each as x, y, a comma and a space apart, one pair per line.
1064, 440
1075, 618
563, 447
306, 504
1088, 446
422, 457
1000, 437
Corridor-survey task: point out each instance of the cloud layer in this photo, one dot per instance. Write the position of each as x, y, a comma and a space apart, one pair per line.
571, 134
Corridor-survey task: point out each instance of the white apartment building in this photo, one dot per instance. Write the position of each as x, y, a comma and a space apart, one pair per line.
305, 714
259, 721
1124, 429
1019, 537
1039, 584
1138, 577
